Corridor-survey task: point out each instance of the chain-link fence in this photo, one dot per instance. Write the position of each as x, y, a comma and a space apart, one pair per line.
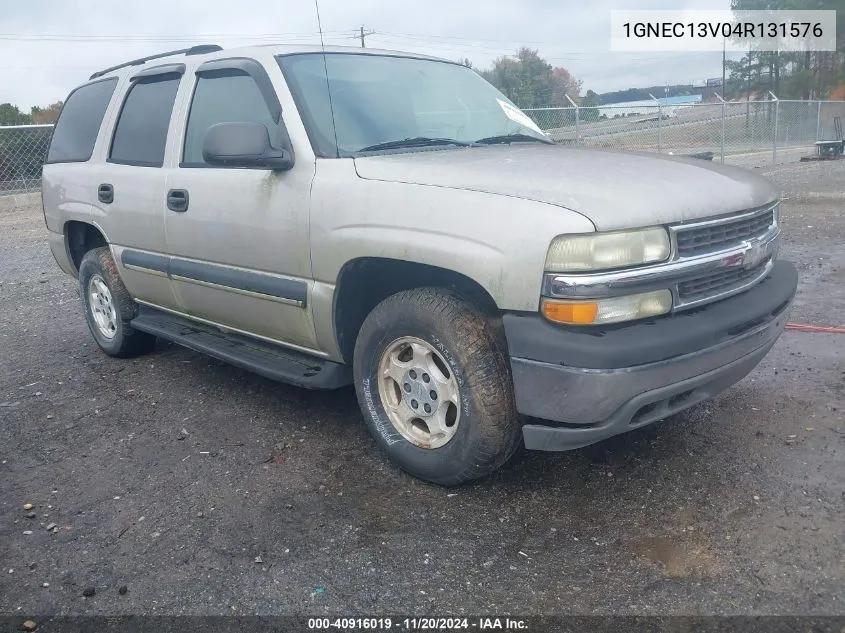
22, 152
749, 133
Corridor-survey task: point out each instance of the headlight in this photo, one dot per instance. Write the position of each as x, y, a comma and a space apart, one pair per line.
603, 251
610, 310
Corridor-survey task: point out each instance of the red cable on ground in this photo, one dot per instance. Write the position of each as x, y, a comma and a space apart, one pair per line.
815, 328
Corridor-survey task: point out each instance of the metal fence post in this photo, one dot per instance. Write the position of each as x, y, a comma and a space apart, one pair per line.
659, 128
577, 125
722, 149
775, 134
577, 120
819, 122
659, 123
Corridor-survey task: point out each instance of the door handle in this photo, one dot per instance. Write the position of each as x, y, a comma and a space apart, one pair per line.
177, 200
105, 193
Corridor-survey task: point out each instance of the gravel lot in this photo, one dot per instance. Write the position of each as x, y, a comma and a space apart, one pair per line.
208, 490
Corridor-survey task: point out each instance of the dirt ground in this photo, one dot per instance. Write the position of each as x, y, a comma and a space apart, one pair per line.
204, 489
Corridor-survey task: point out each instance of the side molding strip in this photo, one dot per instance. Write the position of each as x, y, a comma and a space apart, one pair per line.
145, 261
241, 281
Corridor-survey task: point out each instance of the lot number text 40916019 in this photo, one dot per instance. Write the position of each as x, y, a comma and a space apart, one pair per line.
418, 624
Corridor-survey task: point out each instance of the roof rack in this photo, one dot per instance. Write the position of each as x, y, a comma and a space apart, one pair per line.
193, 50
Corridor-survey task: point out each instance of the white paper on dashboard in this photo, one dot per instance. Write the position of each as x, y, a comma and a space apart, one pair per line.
517, 115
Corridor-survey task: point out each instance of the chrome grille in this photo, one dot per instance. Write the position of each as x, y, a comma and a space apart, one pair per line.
718, 282
712, 259
719, 236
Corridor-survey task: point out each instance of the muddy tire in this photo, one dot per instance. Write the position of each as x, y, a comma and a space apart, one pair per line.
434, 384
109, 308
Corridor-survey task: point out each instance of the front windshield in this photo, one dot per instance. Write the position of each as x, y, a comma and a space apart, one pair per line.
378, 99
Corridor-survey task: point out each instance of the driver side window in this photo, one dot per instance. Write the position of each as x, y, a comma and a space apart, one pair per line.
222, 97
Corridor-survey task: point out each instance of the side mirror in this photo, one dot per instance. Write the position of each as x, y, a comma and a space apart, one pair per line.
243, 145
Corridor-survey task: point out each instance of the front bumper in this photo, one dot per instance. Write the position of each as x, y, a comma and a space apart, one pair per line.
600, 382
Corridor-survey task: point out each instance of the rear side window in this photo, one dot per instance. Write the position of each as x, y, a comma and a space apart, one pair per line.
229, 97
141, 132
80, 120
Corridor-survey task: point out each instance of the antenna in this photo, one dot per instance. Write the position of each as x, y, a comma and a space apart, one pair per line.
320, 25
326, 69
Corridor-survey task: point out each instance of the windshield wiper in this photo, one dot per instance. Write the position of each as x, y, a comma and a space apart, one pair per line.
417, 141
512, 138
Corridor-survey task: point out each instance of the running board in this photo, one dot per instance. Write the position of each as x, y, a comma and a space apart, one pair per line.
269, 360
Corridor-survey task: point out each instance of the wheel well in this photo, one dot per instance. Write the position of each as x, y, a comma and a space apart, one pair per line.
80, 238
364, 283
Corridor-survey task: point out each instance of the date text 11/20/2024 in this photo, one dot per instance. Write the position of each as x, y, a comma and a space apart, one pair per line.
418, 624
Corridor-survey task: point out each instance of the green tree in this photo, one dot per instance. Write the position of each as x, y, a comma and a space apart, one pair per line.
590, 103
789, 75
531, 82
22, 151
591, 100
11, 115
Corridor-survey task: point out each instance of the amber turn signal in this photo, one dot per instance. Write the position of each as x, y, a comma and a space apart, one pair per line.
609, 310
571, 313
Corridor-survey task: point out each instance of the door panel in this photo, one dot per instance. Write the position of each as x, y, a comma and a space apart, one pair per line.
240, 247
129, 188
136, 215
135, 219
240, 251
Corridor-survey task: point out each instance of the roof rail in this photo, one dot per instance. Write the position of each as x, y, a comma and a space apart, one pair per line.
193, 50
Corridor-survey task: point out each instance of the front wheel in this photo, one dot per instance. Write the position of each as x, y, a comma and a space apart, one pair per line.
434, 385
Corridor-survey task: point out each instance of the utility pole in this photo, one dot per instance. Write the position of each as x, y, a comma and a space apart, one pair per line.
364, 34
724, 64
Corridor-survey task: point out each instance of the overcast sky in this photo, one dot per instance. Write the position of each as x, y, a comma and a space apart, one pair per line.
49, 46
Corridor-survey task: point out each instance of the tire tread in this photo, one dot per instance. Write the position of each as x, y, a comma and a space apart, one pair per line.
132, 342
482, 356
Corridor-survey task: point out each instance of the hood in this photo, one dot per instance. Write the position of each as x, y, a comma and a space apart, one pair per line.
615, 190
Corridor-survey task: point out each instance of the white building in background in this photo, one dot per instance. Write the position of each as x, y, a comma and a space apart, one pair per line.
669, 106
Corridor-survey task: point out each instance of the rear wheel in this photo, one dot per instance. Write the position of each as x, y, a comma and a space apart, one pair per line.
109, 308
434, 385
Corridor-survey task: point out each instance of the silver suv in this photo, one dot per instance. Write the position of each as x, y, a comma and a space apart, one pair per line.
392, 221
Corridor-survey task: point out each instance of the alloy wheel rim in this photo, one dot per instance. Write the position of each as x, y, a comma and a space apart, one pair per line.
419, 392
102, 307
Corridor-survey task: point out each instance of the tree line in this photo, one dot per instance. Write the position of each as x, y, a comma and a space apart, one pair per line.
531, 82
791, 75
23, 151
12, 115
